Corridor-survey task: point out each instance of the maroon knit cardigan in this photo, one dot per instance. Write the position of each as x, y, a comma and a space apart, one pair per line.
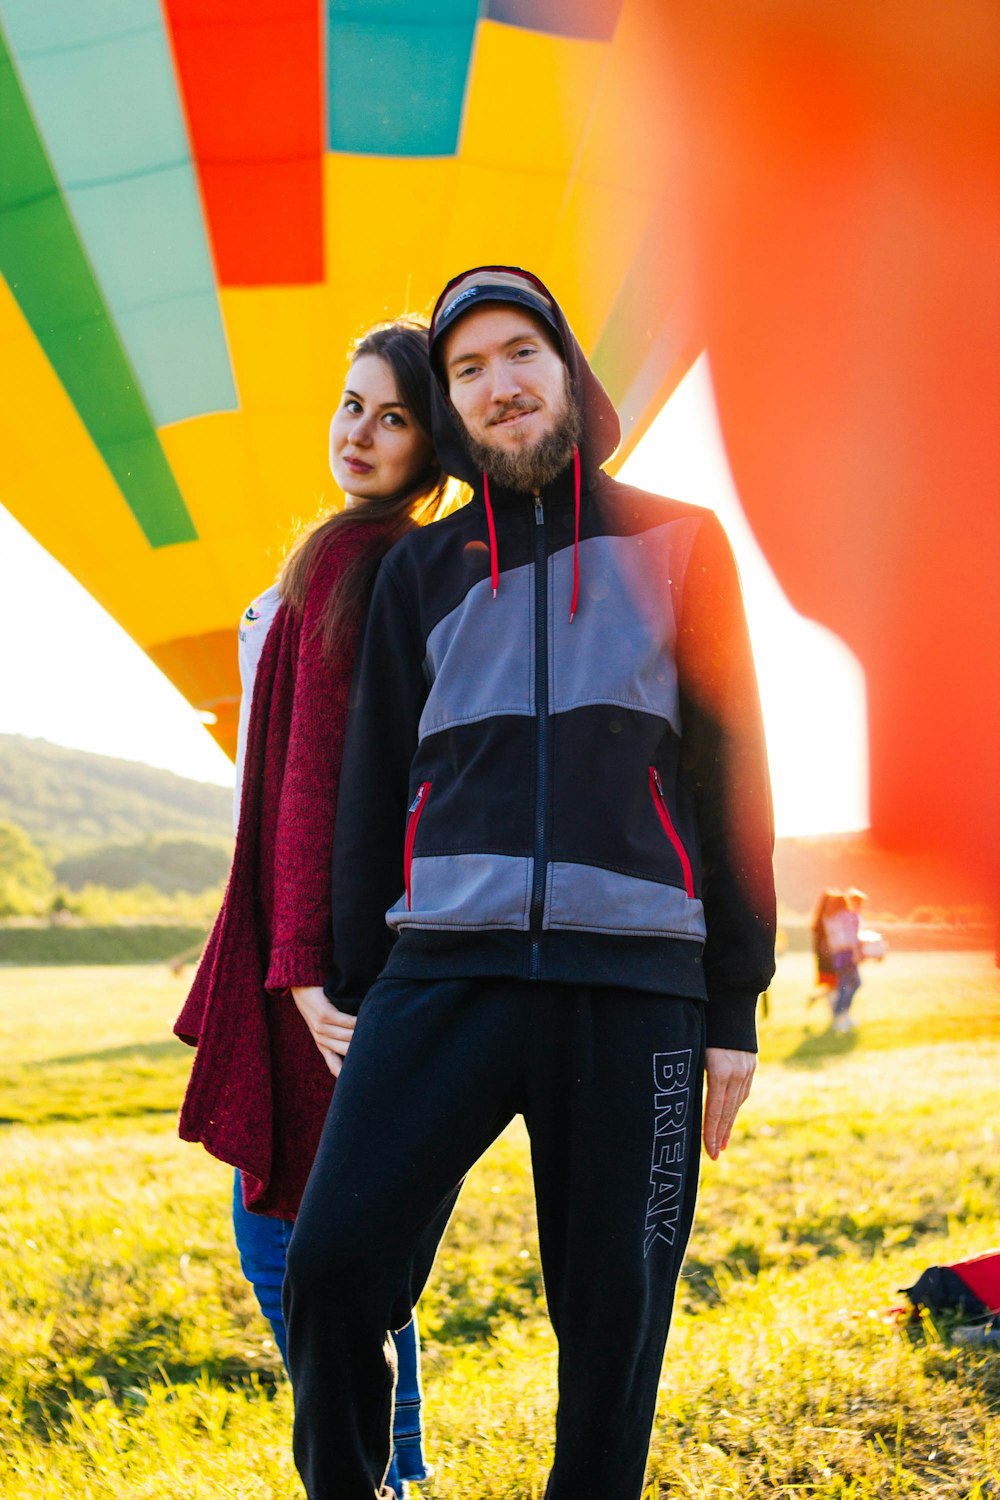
259, 1089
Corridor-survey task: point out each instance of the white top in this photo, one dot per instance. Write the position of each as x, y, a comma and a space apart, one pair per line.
841, 931
254, 625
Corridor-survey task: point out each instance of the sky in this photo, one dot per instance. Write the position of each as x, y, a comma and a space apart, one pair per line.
69, 674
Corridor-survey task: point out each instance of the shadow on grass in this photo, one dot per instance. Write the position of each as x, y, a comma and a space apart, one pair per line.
969, 1367
72, 1113
131, 1080
146, 1355
471, 1315
704, 1282
816, 1047
172, 1047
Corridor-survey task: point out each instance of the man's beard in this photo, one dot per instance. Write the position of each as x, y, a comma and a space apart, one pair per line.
534, 465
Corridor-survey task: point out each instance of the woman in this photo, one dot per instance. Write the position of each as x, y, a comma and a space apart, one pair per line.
270, 1044
826, 979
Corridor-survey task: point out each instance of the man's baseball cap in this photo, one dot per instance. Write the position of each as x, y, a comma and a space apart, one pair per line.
492, 284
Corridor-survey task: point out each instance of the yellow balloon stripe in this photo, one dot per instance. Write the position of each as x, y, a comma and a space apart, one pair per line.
632, 88
56, 483
384, 222
254, 470
528, 102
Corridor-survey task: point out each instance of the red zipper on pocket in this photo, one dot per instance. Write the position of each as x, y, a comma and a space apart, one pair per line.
660, 803
416, 808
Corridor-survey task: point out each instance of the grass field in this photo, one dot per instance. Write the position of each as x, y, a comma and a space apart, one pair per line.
133, 1362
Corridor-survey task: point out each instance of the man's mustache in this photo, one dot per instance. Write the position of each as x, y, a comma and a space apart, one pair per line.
520, 403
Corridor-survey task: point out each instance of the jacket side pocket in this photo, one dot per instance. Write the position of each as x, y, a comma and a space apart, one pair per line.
663, 812
414, 815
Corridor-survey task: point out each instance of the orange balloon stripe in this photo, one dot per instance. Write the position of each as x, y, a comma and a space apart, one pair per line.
204, 668
251, 81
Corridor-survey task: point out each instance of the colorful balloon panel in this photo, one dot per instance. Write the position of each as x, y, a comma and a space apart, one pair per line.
843, 194
45, 262
203, 202
596, 19
250, 77
132, 194
396, 75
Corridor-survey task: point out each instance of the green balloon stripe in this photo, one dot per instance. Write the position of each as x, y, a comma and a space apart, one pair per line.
47, 270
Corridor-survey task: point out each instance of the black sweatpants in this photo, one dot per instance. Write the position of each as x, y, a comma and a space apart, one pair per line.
609, 1082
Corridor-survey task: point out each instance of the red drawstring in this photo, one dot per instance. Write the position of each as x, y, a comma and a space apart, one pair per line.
494, 563
576, 533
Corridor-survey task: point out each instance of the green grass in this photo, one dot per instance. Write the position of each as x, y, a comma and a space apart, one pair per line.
90, 1045
133, 1361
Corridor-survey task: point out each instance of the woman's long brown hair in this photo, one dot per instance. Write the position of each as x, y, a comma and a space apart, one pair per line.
403, 346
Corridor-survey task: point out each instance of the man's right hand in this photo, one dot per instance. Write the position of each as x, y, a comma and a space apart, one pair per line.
728, 1076
331, 1029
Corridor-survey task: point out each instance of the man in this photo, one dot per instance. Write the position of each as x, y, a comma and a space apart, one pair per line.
555, 794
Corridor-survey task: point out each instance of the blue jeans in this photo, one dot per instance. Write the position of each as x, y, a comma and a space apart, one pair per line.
848, 984
263, 1245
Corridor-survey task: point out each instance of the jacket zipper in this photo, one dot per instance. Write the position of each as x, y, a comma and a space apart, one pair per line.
541, 736
660, 803
413, 818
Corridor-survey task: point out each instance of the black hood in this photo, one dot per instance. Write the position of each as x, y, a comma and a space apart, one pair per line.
601, 428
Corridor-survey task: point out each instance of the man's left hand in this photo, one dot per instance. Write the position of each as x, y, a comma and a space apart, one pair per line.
728, 1076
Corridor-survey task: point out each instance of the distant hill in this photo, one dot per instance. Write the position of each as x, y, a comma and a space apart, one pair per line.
68, 800
166, 864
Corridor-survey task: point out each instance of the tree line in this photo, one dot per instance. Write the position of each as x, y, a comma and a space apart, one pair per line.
158, 875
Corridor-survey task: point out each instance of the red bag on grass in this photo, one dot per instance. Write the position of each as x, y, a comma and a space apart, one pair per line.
970, 1287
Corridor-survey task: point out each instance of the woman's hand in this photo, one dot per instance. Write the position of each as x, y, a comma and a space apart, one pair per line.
331, 1029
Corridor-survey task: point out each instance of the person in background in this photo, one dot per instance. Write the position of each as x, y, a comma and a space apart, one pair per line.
841, 925
826, 978
269, 1044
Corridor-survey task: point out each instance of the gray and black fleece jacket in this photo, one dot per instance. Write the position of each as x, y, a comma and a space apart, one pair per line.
583, 800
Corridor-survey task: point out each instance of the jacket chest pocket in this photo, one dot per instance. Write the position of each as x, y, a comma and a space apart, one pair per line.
667, 824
